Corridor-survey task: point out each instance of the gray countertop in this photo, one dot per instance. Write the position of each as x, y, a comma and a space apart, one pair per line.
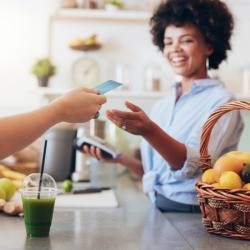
135, 224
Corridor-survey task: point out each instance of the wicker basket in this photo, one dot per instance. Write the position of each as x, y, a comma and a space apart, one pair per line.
225, 211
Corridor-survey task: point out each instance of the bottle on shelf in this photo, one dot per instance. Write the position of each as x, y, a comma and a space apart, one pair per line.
89, 4
123, 75
152, 78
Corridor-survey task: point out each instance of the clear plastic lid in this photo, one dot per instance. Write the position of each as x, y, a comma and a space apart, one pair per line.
30, 185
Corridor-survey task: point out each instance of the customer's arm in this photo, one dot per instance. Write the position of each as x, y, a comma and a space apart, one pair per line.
18, 131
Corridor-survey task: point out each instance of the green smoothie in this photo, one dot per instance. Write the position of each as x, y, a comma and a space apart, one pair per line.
38, 215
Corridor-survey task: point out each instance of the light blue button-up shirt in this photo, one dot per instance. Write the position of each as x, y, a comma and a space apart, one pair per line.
183, 120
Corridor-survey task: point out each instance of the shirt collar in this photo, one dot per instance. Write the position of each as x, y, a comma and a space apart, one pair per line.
199, 84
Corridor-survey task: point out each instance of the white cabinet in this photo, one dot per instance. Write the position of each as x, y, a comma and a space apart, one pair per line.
121, 15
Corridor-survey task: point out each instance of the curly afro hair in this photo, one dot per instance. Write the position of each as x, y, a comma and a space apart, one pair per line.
211, 17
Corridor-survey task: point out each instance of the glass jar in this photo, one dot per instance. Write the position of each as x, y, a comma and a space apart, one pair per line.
152, 78
123, 75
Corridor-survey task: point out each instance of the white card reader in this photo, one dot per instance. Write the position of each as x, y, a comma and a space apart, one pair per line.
107, 150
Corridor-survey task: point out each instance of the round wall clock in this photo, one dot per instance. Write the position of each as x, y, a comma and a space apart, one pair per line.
85, 72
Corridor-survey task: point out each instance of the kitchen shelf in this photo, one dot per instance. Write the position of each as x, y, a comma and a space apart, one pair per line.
119, 15
115, 98
47, 92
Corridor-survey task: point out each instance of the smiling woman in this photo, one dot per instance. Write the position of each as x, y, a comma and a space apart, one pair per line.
180, 49
194, 36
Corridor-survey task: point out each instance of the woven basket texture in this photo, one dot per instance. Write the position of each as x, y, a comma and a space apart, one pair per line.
225, 212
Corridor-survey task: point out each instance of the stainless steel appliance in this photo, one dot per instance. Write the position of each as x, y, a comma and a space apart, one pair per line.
60, 155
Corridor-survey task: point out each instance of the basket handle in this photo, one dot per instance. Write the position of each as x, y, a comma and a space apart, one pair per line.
205, 159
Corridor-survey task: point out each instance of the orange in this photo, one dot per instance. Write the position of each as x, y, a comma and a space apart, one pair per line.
216, 185
247, 186
227, 163
230, 179
208, 177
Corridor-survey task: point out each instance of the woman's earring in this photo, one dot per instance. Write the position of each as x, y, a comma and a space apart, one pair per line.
207, 63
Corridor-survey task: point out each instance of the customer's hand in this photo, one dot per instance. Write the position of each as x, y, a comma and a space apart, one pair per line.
135, 122
79, 105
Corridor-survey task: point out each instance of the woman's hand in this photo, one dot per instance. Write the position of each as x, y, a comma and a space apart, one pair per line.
79, 105
95, 152
135, 122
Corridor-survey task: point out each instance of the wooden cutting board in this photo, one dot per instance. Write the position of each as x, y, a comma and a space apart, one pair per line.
105, 198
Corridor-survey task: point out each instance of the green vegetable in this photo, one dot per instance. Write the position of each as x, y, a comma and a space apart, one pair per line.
67, 186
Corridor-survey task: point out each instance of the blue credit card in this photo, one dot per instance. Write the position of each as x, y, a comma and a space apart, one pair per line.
107, 86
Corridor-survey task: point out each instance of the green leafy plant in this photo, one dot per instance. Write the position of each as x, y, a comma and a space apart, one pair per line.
115, 2
43, 68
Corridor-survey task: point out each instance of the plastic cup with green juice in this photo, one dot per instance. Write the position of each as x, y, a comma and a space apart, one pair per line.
38, 205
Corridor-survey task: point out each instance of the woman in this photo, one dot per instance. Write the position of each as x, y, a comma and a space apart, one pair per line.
194, 36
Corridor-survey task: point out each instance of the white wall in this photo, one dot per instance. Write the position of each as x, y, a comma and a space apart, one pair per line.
232, 70
24, 38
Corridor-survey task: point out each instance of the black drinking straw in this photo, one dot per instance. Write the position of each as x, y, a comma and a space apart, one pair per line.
42, 168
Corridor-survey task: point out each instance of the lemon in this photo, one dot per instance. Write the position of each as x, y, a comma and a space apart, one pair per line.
67, 186
2, 193
8, 187
217, 185
243, 156
247, 186
230, 179
208, 177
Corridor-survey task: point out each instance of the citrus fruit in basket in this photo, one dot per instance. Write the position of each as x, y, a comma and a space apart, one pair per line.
208, 177
230, 179
216, 185
243, 156
246, 186
227, 163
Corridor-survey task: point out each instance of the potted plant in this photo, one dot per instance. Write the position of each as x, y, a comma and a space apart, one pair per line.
113, 5
43, 69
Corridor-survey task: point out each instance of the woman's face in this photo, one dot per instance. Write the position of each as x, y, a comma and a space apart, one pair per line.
186, 51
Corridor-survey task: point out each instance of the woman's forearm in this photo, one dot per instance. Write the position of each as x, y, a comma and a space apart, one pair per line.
171, 150
132, 164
